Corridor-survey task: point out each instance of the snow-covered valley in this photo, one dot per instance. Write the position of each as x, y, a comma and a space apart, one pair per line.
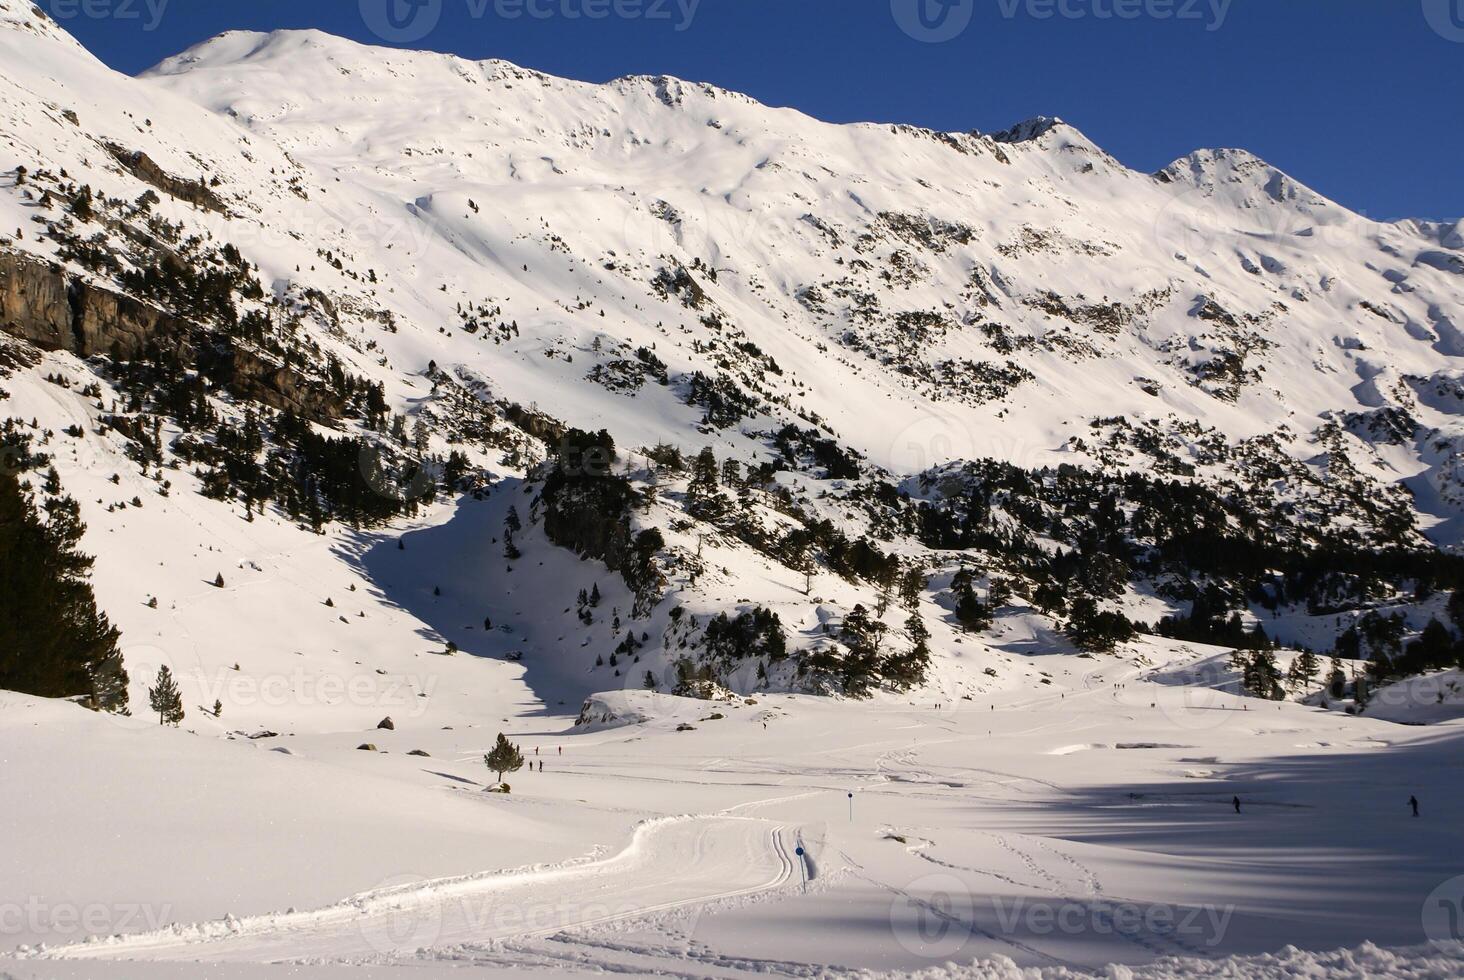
902, 551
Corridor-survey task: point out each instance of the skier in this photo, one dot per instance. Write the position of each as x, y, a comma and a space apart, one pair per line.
1235, 802
1413, 802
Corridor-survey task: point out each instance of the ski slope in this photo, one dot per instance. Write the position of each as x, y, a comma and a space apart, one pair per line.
669, 864
971, 824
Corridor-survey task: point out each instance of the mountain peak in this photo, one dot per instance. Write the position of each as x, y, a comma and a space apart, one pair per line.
21, 15
1030, 130
1243, 177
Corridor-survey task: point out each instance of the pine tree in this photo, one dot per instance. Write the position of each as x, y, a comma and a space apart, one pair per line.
54, 643
1306, 667
731, 473
912, 587
165, 698
1261, 677
703, 496
505, 758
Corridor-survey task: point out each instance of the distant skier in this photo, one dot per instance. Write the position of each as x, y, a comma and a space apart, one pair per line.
1413, 802
1235, 802
488, 623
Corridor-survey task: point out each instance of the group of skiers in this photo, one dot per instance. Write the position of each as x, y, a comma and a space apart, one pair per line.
1412, 803
541, 761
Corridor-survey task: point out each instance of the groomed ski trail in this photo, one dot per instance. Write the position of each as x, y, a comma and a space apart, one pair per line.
670, 863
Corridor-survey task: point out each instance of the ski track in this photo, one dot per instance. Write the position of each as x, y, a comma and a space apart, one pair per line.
671, 863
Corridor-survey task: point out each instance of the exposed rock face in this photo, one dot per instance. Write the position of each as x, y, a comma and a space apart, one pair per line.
252, 377
44, 305
536, 424
33, 303
141, 166
104, 322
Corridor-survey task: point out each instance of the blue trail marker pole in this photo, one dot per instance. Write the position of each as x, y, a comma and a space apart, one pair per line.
802, 867
851, 807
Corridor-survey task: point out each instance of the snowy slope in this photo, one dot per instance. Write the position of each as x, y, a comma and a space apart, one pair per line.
921, 298
823, 237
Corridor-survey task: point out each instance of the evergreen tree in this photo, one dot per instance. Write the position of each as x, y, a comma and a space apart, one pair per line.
54, 643
909, 669
703, 496
731, 473
1095, 629
1455, 609
1336, 679
1261, 677
1304, 669
165, 698
912, 587
505, 758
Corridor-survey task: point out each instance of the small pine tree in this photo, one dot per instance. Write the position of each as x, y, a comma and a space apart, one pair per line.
650, 683
218, 711
505, 758
703, 496
1306, 667
219, 581
165, 698
1261, 678
912, 586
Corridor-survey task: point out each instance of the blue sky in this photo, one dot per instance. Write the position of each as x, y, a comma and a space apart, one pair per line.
1361, 99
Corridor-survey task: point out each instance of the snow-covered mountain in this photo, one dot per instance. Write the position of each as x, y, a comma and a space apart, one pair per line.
483, 256
406, 400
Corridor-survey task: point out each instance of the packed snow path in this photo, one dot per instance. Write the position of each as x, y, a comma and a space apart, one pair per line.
669, 864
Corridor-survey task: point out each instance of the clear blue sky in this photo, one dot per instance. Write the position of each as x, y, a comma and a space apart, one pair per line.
1362, 99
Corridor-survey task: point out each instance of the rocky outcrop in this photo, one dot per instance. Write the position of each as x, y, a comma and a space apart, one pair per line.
142, 166
253, 377
44, 305
536, 424
34, 305
104, 322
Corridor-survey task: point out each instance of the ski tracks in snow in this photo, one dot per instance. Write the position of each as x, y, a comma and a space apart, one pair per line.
671, 863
